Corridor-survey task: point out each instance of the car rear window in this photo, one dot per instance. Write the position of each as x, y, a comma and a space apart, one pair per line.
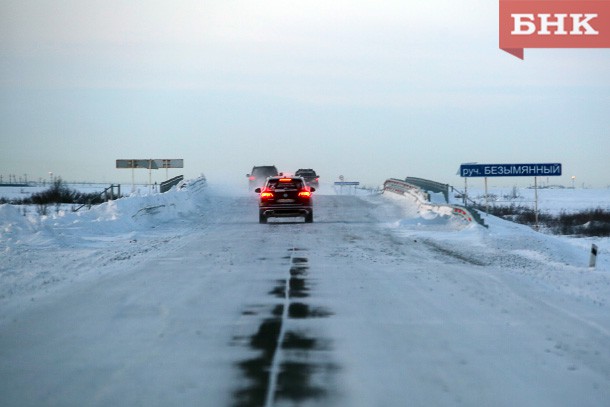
267, 171
277, 184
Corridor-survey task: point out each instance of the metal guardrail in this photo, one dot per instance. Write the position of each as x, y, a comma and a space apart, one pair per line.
167, 185
430, 186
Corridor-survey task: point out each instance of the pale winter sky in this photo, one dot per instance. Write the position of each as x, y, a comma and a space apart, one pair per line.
361, 88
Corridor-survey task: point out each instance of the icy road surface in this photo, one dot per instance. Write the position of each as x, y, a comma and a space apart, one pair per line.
368, 306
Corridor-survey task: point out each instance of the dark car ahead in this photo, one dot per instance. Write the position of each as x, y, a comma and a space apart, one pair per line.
285, 197
310, 176
259, 175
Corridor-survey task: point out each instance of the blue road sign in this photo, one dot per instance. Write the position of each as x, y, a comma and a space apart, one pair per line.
510, 170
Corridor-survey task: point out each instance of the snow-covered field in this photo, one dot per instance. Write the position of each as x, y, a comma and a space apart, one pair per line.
551, 201
184, 299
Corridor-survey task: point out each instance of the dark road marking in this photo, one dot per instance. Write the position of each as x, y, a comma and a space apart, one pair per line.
286, 367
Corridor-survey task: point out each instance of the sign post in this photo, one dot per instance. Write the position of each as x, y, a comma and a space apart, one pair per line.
486, 198
536, 203
351, 184
150, 166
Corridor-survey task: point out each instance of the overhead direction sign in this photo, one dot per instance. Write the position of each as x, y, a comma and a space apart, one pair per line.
510, 170
146, 164
171, 163
150, 164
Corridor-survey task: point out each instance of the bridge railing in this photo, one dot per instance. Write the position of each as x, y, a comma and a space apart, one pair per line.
430, 186
167, 185
109, 194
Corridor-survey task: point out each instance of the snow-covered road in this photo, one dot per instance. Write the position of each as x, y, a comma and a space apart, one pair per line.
371, 305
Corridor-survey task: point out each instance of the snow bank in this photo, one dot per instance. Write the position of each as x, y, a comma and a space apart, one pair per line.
548, 263
40, 250
508, 244
128, 214
440, 213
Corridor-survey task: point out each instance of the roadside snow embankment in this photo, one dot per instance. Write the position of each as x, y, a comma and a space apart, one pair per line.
452, 216
40, 251
558, 263
505, 242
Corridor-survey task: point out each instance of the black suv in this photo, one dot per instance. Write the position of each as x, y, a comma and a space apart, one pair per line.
285, 197
310, 176
259, 174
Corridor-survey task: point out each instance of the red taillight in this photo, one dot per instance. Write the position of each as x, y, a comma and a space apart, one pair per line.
251, 178
266, 195
304, 194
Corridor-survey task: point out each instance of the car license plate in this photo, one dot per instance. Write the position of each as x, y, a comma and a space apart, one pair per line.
285, 200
